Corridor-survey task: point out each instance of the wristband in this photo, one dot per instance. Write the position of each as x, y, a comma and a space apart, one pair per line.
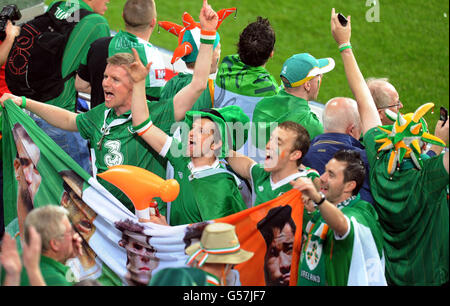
207, 37
143, 127
346, 46
24, 102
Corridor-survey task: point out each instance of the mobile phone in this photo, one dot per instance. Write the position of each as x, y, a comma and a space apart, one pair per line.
342, 19
444, 115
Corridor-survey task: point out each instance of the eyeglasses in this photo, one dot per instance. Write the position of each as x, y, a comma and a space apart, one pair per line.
389, 106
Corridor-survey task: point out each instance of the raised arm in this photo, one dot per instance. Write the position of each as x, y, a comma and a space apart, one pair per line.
141, 118
240, 164
185, 98
366, 105
54, 115
333, 217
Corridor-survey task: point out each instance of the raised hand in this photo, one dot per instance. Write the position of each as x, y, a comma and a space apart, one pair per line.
137, 71
10, 260
340, 33
208, 17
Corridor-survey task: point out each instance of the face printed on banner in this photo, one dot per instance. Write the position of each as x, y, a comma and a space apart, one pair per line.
141, 255
279, 256
204, 138
27, 175
279, 149
278, 230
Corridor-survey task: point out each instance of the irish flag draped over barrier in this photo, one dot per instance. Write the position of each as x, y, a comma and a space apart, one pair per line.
118, 249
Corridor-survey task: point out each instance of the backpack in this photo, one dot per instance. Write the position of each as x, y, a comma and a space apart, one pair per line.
33, 67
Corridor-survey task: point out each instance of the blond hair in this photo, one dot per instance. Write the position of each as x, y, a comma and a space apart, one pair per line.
47, 220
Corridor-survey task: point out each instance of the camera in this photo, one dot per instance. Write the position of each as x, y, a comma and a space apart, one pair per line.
9, 12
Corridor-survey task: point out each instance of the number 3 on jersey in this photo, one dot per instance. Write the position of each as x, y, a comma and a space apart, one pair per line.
114, 156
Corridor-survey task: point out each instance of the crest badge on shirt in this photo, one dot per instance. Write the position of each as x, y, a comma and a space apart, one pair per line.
313, 254
260, 188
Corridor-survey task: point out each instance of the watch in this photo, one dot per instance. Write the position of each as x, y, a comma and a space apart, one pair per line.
322, 199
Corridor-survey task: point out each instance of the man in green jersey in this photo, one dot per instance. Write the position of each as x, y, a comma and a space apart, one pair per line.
288, 144
409, 192
344, 245
86, 31
108, 127
207, 190
139, 17
302, 77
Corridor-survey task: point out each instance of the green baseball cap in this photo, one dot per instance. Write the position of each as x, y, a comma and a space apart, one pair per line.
302, 67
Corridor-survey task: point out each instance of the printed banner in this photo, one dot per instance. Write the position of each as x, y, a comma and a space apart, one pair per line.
118, 250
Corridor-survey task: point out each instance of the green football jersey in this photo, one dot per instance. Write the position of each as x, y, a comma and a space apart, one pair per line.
205, 194
327, 258
265, 190
414, 215
120, 145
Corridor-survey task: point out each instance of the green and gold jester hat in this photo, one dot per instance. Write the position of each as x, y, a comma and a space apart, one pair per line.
189, 35
406, 137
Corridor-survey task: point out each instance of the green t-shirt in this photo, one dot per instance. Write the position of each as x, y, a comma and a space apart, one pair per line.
181, 80
205, 194
325, 250
89, 29
122, 146
53, 272
414, 215
284, 107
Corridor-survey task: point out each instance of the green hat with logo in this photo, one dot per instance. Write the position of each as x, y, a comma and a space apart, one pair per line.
232, 122
300, 68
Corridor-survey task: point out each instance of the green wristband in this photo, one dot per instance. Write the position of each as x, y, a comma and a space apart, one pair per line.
345, 47
24, 102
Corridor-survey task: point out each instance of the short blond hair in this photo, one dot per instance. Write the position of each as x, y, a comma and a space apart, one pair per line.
47, 220
120, 59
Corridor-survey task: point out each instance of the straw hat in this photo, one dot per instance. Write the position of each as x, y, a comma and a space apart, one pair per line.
219, 244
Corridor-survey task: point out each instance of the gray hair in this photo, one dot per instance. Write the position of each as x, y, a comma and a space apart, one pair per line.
379, 95
47, 220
